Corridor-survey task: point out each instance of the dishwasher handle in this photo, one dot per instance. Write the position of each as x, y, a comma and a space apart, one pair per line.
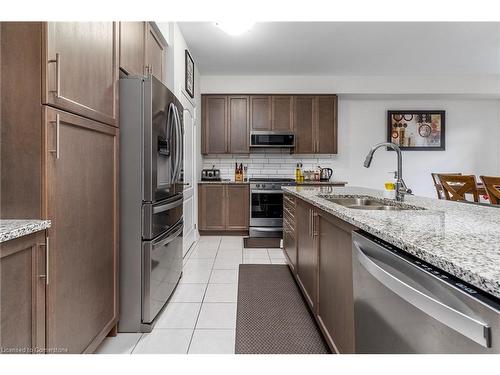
471, 328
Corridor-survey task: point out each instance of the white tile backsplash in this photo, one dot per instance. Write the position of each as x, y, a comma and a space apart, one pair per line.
268, 163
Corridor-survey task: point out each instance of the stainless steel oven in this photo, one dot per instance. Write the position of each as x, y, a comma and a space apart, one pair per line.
266, 207
161, 216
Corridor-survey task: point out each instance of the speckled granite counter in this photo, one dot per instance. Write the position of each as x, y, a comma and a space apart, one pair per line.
459, 238
10, 229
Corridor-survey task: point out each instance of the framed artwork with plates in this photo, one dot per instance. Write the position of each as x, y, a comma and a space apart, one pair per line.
417, 130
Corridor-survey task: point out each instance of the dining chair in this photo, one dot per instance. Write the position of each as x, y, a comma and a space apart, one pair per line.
492, 187
456, 186
437, 183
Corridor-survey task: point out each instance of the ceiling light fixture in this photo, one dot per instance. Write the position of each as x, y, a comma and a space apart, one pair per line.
235, 27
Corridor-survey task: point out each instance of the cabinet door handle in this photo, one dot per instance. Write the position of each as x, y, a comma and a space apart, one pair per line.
314, 216
57, 123
57, 61
46, 276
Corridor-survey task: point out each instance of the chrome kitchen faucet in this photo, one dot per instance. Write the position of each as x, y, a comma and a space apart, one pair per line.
401, 188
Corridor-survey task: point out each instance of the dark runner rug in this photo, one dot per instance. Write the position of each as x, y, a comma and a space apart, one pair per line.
272, 316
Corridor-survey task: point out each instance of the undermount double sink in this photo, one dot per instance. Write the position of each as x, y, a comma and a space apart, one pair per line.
369, 203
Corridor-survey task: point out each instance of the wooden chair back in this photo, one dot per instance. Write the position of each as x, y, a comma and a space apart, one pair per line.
437, 183
492, 187
456, 186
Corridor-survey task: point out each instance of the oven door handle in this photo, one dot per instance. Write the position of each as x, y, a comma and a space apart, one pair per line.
254, 191
167, 206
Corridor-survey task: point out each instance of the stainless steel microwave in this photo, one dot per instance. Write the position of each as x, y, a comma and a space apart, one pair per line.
272, 139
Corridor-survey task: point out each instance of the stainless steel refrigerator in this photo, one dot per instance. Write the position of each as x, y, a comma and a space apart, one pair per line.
151, 200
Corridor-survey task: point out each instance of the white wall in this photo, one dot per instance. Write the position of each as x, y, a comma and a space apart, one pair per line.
472, 124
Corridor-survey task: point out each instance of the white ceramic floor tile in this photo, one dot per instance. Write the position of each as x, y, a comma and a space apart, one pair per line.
230, 246
227, 264
204, 253
221, 293
276, 254
212, 342
278, 261
195, 275
217, 316
207, 246
122, 343
189, 293
164, 341
255, 253
256, 256
256, 261
224, 277
199, 264
234, 255
178, 315
209, 239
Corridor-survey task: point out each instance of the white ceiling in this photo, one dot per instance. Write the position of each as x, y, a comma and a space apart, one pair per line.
346, 48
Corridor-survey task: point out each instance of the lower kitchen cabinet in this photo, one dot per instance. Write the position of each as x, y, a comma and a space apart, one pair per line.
335, 309
223, 207
22, 294
81, 193
323, 269
307, 256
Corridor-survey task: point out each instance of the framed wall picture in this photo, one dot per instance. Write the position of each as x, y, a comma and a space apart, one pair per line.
417, 130
189, 73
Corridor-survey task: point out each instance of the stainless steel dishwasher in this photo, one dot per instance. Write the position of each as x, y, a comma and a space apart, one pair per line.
404, 305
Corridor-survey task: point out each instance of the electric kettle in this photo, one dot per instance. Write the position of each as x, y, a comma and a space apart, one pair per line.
325, 174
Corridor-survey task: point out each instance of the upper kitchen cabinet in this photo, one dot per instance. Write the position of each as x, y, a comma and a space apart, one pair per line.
214, 124
304, 124
315, 124
132, 47
326, 128
155, 53
91, 49
282, 113
238, 125
260, 112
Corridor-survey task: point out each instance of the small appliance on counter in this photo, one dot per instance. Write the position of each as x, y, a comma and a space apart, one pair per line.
210, 174
325, 174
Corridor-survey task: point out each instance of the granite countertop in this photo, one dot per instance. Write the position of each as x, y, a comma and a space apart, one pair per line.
10, 229
223, 182
459, 238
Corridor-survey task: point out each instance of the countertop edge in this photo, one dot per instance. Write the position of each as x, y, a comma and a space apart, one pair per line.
20, 228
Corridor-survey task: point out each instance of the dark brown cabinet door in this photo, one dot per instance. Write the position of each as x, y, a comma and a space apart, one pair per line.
304, 123
307, 260
132, 47
282, 113
81, 195
335, 300
238, 125
237, 209
212, 208
326, 130
214, 127
155, 54
260, 112
22, 294
80, 66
